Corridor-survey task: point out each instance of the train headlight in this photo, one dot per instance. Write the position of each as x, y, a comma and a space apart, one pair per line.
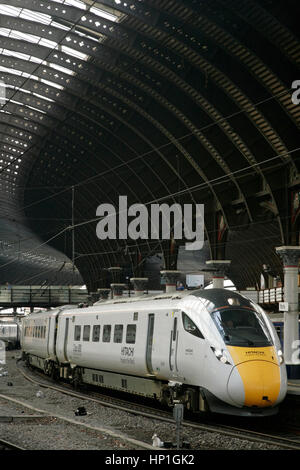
280, 356
221, 355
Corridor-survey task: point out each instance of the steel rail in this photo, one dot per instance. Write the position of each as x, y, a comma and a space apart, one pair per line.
231, 431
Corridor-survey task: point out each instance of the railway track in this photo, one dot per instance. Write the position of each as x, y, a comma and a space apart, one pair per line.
7, 445
282, 441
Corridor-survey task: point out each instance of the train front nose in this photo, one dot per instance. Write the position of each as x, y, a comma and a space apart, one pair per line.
254, 383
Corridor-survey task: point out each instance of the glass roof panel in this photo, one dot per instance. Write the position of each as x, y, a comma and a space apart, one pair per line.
13, 149
43, 42
72, 3
28, 75
35, 16
103, 14
9, 10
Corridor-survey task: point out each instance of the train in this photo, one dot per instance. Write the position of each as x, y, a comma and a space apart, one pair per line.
10, 334
212, 350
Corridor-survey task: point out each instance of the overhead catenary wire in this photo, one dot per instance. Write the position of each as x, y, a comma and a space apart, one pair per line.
194, 188
214, 181
149, 152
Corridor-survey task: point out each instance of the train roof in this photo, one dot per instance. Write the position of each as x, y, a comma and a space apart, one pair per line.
212, 298
215, 297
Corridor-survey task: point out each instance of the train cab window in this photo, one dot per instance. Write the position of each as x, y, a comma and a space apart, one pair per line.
77, 333
190, 326
130, 334
118, 333
106, 333
86, 332
242, 327
96, 333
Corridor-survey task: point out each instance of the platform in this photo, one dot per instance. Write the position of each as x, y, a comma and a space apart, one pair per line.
293, 387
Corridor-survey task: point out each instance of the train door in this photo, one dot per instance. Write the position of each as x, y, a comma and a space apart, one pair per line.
48, 338
66, 338
150, 343
174, 343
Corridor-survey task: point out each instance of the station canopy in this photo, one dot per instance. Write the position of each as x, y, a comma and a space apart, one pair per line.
164, 101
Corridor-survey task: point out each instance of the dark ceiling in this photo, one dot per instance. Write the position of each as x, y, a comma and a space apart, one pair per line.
163, 100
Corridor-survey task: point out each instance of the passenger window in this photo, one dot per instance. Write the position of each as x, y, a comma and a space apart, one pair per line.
190, 326
86, 332
118, 334
106, 333
77, 333
130, 334
96, 333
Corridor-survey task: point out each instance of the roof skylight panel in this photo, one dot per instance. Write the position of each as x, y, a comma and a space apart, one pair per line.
34, 109
35, 16
74, 52
84, 35
60, 68
48, 43
72, 3
31, 15
23, 90
33, 77
55, 85
43, 42
26, 105
29, 58
18, 55
60, 26
10, 10
103, 13
8, 70
11, 33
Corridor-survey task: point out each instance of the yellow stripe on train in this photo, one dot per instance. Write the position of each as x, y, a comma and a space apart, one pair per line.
260, 374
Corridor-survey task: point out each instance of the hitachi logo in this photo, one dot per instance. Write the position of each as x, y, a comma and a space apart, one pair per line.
257, 353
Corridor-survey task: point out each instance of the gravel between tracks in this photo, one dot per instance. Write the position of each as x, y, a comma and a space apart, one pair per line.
49, 433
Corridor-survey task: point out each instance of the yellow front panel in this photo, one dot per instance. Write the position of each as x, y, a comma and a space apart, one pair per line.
242, 354
260, 373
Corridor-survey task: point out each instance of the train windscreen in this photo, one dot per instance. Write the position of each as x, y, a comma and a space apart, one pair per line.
242, 327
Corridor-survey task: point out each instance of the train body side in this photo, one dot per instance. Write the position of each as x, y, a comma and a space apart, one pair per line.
39, 334
161, 344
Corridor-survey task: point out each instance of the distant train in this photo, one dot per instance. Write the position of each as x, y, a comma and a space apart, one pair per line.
10, 333
214, 350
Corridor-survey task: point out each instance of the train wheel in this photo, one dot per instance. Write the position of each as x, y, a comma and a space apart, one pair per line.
76, 378
48, 368
54, 372
167, 397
